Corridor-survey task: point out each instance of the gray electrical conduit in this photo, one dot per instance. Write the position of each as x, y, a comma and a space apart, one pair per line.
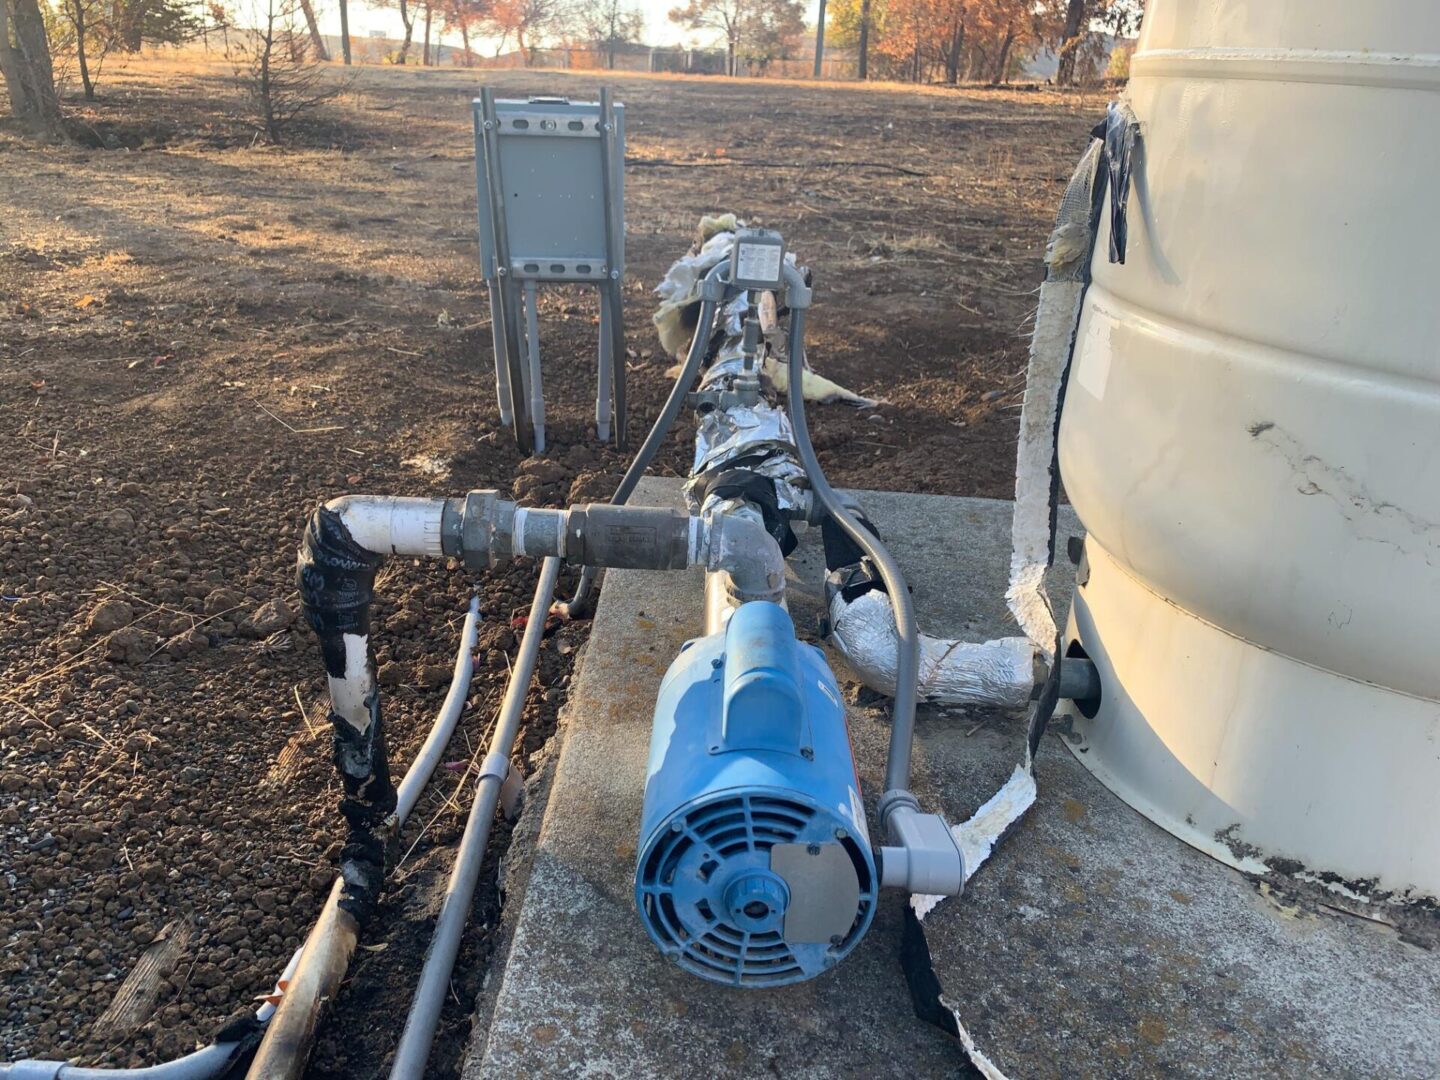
578, 604
907, 666
217, 1057
413, 1052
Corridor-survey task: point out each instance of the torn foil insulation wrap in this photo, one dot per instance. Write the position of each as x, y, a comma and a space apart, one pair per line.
1105, 165
756, 438
679, 289
998, 674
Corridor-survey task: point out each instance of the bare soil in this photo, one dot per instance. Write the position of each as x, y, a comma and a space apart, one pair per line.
202, 337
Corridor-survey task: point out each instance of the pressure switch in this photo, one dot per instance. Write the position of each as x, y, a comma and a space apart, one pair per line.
757, 260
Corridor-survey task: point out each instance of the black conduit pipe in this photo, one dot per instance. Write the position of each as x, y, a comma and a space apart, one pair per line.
336, 578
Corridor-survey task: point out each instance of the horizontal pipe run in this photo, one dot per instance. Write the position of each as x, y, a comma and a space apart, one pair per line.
391, 524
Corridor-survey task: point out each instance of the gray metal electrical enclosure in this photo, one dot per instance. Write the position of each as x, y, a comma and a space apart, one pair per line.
553, 184
550, 177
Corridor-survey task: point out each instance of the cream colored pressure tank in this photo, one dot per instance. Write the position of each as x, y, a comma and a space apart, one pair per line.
1251, 436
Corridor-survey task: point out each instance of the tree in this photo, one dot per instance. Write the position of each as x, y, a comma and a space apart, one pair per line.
1080, 50
406, 8
761, 27
27, 68
462, 17
526, 20
917, 34
608, 24
345, 30
820, 40
769, 30
82, 29
865, 17
317, 40
274, 63
159, 22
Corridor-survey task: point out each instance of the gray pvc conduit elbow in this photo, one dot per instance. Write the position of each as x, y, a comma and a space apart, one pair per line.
711, 293
414, 1049
214, 1059
907, 661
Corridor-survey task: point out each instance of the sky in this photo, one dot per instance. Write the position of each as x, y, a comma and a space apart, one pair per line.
660, 30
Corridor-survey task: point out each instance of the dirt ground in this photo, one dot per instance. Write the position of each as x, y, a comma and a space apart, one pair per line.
201, 338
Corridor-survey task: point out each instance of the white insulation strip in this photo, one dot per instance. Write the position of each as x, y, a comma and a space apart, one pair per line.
1032, 529
978, 836
983, 1064
349, 696
1030, 554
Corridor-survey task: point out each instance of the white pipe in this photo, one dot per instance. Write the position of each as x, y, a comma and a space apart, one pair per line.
392, 524
416, 777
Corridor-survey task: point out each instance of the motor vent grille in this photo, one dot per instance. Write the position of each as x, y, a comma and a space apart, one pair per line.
706, 844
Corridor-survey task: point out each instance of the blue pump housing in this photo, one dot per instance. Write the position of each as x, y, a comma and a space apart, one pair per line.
755, 866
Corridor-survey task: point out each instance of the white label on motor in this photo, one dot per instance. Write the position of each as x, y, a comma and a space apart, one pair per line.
759, 262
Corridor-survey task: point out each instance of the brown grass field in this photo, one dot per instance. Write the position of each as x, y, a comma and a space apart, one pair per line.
202, 336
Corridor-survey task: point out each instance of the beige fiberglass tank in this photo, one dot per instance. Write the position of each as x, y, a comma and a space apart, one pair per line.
1251, 436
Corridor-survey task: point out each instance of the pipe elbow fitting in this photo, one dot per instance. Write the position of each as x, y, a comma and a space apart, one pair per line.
393, 524
737, 543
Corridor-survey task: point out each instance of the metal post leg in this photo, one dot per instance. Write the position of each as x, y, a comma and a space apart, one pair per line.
502, 365
611, 164
532, 342
617, 363
602, 384
503, 285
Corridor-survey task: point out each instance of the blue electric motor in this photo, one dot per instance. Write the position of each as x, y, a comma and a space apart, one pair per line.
755, 866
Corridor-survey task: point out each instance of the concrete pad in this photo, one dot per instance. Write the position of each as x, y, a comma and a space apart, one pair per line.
1092, 944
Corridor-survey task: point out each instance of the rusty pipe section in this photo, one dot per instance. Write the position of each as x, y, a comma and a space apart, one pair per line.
285, 1050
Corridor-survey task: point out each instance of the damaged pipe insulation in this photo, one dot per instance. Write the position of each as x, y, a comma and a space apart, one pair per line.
1003, 673
336, 575
414, 1049
712, 292
285, 1048
217, 1058
204, 1064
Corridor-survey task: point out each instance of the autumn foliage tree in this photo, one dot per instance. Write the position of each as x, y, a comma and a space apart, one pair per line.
526, 21
755, 30
979, 40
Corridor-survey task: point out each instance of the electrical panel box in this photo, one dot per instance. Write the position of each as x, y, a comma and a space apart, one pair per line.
554, 190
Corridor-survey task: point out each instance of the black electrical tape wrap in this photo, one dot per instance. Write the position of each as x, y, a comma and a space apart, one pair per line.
336, 578
244, 1028
757, 489
840, 550
1119, 132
